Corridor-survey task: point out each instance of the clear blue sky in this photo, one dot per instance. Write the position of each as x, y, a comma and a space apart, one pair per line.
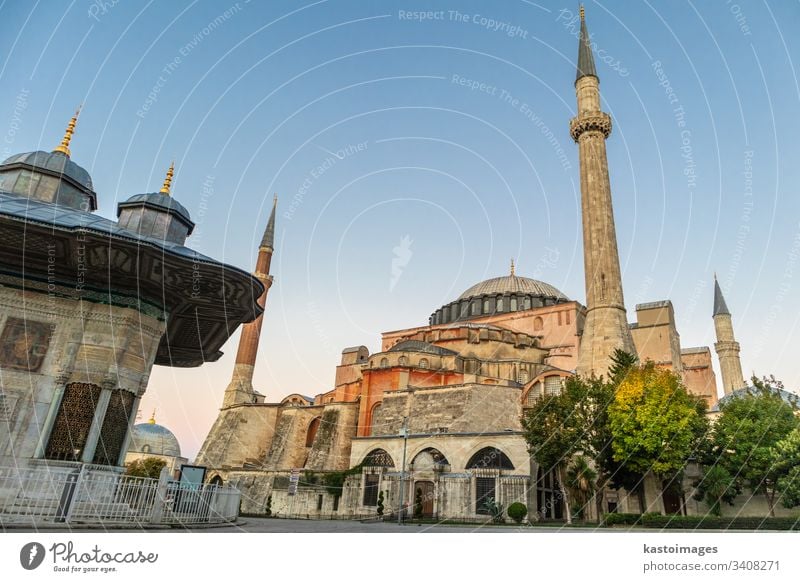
253, 98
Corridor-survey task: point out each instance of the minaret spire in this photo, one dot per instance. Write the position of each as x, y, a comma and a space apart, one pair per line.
606, 325
585, 56
268, 240
513, 270
168, 179
63, 147
727, 347
240, 390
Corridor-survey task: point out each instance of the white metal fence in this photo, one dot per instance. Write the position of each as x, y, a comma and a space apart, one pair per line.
39, 496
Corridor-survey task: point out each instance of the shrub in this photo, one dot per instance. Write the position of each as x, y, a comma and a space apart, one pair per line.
149, 467
658, 521
380, 503
517, 511
268, 510
495, 509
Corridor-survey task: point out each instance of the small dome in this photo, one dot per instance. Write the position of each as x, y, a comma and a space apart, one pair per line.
513, 284
158, 201
789, 398
154, 439
54, 166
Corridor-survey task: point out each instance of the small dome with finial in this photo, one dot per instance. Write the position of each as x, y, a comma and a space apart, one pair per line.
50, 176
154, 439
157, 214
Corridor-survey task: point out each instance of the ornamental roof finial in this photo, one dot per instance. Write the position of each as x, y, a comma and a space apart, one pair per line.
63, 147
168, 179
512, 268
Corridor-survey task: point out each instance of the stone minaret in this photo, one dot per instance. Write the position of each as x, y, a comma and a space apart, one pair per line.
606, 326
727, 347
240, 390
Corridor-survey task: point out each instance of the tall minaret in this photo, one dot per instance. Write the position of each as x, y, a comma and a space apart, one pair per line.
606, 326
240, 390
727, 347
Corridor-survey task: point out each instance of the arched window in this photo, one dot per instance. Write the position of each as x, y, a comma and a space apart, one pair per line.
378, 458
423, 363
373, 413
538, 324
490, 458
384, 362
429, 459
473, 308
499, 304
523, 376
513, 304
486, 306
313, 427
403, 361
527, 303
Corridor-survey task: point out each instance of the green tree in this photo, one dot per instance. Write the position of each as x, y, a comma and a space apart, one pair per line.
558, 427
581, 480
717, 486
656, 424
786, 460
149, 467
745, 436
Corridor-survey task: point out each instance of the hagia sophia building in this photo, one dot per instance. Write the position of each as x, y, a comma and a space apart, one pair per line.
442, 403
91, 304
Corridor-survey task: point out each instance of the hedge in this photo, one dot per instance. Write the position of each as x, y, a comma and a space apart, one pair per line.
656, 520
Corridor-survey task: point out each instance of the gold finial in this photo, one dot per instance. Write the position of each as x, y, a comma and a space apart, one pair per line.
583, 12
512, 267
64, 146
168, 180
152, 417
275, 199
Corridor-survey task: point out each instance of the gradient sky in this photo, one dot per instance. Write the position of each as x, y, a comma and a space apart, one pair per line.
464, 162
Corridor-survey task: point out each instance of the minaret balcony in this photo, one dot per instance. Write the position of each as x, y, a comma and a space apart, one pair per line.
594, 121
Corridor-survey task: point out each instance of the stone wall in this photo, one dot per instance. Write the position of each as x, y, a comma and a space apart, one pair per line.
467, 408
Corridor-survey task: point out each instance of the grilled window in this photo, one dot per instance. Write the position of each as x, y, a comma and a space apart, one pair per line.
552, 385
73, 421
484, 489
371, 490
115, 428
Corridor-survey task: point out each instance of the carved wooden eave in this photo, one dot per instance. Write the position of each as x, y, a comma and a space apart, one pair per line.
84, 256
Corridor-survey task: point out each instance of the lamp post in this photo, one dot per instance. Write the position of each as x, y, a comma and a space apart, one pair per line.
404, 433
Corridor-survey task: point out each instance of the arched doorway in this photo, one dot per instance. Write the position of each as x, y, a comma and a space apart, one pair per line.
216, 480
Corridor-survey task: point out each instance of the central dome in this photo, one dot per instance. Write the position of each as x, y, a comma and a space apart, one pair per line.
513, 284
496, 296
154, 439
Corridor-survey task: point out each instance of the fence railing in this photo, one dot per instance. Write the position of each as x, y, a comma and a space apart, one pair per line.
38, 496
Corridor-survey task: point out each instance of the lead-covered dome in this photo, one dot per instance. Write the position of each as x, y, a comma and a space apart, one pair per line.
513, 284
150, 438
49, 177
499, 295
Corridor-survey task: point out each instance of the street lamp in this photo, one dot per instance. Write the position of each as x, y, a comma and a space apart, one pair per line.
404, 434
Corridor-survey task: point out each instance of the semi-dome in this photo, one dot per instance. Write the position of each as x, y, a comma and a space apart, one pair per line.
499, 295
154, 439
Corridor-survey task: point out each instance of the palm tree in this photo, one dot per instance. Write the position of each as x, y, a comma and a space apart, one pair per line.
581, 481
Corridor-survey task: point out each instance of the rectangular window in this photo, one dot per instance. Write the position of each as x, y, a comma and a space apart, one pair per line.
484, 489
371, 490
567, 313
319, 502
336, 503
